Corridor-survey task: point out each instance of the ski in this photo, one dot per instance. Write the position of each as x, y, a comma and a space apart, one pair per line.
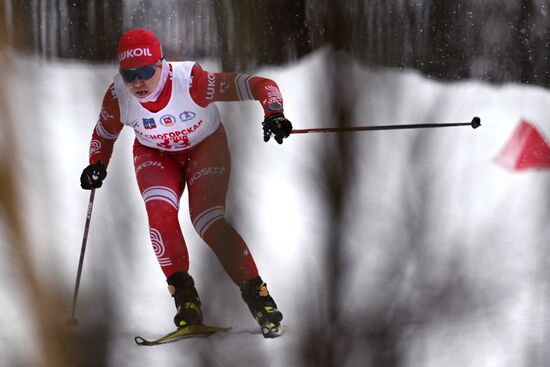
190, 331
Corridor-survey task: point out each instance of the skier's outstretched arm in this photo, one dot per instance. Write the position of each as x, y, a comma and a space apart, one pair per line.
212, 87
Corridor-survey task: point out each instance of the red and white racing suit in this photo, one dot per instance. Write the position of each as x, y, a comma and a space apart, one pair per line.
180, 140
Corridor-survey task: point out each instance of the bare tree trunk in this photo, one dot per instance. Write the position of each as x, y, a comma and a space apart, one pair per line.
95, 28
64, 29
523, 42
255, 35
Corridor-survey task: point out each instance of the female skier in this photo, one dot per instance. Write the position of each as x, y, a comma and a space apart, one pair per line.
180, 140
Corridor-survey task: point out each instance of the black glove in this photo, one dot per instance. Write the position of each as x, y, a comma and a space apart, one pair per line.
279, 126
92, 176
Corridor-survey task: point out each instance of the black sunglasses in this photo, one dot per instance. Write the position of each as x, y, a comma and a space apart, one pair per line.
144, 73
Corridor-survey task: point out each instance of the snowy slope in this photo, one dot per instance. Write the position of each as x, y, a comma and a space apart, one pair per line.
434, 229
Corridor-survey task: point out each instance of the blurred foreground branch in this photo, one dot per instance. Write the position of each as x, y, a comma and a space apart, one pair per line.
44, 299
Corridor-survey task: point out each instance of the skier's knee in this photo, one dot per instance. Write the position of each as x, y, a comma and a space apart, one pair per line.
204, 221
160, 211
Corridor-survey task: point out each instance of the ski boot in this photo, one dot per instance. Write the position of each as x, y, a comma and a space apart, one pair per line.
186, 298
262, 307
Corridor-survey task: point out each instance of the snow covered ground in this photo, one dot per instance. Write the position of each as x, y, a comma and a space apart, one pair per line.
442, 248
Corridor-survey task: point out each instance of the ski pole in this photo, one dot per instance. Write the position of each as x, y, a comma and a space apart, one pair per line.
475, 123
72, 319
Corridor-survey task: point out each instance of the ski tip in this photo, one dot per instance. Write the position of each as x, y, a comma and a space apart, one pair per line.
140, 341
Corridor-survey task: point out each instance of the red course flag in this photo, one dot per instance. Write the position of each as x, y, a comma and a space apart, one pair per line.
526, 148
